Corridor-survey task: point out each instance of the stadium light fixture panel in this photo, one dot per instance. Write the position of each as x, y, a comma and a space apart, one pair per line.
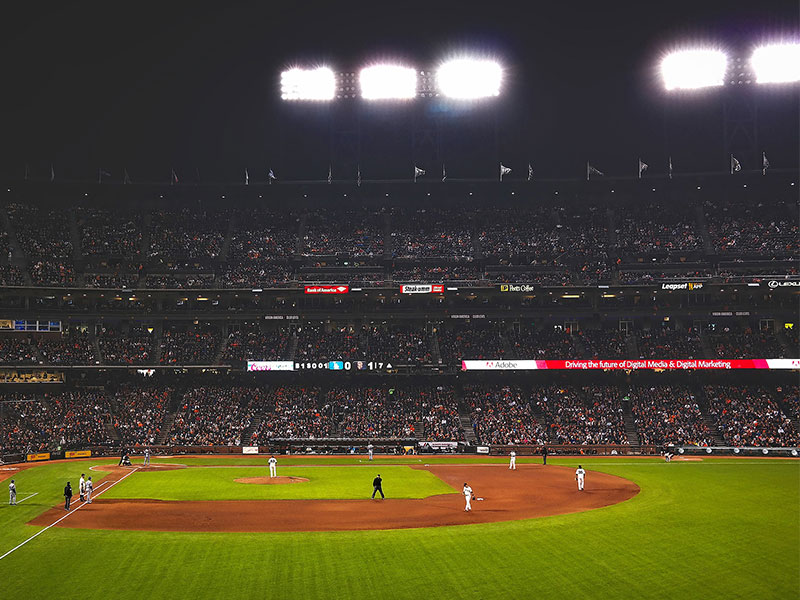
777, 63
388, 82
469, 79
694, 69
308, 84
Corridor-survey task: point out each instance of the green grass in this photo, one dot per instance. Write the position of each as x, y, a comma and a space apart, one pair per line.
710, 530
208, 483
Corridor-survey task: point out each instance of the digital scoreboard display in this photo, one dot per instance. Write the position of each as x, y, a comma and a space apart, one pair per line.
327, 365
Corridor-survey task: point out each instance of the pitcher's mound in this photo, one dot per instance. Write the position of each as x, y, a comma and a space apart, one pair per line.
271, 480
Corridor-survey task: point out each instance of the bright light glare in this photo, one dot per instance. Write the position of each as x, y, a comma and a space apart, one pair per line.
385, 82
308, 84
467, 78
779, 63
694, 69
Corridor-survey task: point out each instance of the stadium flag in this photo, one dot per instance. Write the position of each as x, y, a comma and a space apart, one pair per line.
736, 166
358, 175
174, 179
764, 163
670, 167
590, 170
125, 177
100, 174
330, 174
444, 173
418, 173
246, 177
643, 166
52, 173
271, 176
504, 171
530, 172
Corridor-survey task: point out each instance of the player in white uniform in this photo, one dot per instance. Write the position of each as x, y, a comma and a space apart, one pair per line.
370, 448
89, 488
467, 497
12, 493
580, 475
273, 466
147, 457
512, 463
82, 487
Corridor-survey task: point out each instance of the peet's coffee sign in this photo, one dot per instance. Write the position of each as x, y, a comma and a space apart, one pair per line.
686, 285
517, 287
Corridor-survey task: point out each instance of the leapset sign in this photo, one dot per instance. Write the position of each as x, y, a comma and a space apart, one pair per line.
686, 285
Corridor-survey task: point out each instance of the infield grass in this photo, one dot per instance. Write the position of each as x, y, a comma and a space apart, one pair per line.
710, 530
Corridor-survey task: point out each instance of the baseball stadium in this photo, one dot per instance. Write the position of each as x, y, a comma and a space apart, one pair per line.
350, 301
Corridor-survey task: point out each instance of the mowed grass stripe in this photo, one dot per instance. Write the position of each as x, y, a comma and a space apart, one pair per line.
333, 482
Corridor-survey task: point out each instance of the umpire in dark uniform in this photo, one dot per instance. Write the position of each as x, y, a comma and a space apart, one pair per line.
376, 486
67, 495
544, 454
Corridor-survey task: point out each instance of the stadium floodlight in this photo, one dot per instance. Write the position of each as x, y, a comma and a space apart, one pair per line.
388, 82
308, 84
467, 79
776, 63
694, 69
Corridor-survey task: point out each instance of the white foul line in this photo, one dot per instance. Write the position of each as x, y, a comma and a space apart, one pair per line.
38, 533
26, 497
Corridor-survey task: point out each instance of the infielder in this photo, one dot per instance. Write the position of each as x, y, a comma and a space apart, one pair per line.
580, 475
273, 466
12, 493
147, 457
370, 448
467, 497
82, 487
512, 464
89, 489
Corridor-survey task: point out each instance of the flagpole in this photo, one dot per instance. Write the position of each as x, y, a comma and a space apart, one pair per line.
731, 164
587, 170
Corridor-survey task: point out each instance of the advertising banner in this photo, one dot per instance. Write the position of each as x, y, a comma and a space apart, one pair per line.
482, 449
422, 288
249, 449
78, 454
628, 365
270, 365
39, 456
327, 289
517, 287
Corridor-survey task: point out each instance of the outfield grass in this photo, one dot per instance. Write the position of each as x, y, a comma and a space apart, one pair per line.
208, 483
714, 529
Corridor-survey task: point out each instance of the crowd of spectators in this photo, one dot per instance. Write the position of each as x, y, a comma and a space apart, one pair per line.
133, 347
140, 413
437, 273
372, 412
294, 412
354, 233
669, 343
604, 343
42, 233
582, 415
111, 280
475, 340
746, 343
398, 344
194, 346
642, 276
552, 343
52, 272
432, 232
645, 229
250, 341
175, 281
216, 415
750, 416
109, 233
11, 275
501, 415
187, 234
668, 416
16, 350
70, 347
764, 229
256, 272
337, 342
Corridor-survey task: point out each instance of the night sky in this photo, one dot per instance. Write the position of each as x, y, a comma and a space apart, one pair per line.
149, 87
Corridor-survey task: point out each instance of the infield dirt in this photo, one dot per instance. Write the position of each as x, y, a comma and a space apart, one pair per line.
530, 491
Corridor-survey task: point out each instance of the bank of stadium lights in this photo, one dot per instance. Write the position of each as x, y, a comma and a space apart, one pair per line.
457, 79
707, 67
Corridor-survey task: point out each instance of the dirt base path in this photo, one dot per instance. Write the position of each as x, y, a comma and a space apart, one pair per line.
530, 491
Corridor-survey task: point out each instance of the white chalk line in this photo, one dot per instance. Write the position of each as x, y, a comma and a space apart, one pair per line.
27, 497
57, 521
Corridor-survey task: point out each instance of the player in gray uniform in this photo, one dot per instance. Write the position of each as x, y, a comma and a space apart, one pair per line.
370, 448
89, 489
12, 493
147, 457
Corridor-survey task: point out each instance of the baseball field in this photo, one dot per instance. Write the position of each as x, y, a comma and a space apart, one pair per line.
206, 527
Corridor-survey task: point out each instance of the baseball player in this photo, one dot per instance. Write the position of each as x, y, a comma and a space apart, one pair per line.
273, 466
580, 475
377, 486
512, 463
82, 487
370, 448
12, 493
147, 457
467, 497
89, 489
